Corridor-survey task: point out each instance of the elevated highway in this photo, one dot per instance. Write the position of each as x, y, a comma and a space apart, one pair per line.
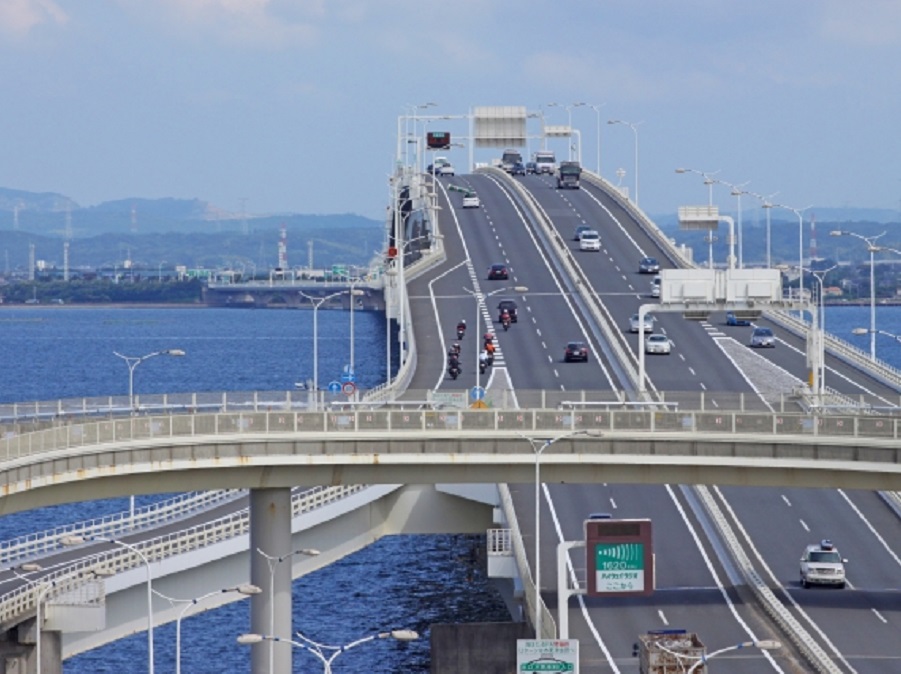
706, 421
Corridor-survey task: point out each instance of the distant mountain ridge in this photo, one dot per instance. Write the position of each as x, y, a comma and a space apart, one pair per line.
56, 215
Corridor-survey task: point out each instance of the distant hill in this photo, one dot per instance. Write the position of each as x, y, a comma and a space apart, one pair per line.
52, 215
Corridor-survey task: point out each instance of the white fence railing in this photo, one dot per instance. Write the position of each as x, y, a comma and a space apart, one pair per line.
20, 603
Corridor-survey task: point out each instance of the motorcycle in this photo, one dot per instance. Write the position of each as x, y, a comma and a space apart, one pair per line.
460, 333
453, 371
483, 365
506, 323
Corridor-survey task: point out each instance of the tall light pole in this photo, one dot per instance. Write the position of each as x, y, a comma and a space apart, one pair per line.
245, 589
634, 127
78, 540
133, 361
273, 561
873, 249
597, 112
317, 302
737, 191
709, 181
799, 212
767, 205
538, 447
317, 649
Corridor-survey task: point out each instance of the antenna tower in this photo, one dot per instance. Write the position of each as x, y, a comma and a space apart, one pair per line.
134, 219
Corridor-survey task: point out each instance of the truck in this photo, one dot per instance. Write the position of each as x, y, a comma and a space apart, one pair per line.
509, 159
545, 162
568, 173
670, 652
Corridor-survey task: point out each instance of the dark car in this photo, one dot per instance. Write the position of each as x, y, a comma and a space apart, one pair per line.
648, 265
509, 306
576, 351
519, 169
577, 233
531, 167
732, 319
498, 272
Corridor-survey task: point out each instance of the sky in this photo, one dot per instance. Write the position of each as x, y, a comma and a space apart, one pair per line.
294, 105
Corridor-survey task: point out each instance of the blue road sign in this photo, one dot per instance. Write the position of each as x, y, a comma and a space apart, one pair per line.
334, 387
476, 393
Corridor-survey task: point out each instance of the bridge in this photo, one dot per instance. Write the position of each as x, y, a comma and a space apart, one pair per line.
713, 413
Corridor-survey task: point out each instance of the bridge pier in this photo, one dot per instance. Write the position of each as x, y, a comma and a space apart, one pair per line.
270, 610
18, 652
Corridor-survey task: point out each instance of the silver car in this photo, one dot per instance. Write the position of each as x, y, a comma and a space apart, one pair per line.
634, 324
657, 343
762, 338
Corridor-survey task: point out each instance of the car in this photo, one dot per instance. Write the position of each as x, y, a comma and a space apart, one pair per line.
435, 167
658, 343
762, 338
821, 564
590, 240
510, 307
576, 351
531, 167
471, 201
519, 169
445, 170
634, 325
498, 272
577, 234
655, 287
732, 319
648, 265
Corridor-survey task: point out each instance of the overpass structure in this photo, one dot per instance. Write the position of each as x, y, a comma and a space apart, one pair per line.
713, 415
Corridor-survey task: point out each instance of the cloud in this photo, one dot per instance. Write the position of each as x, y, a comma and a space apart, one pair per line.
19, 17
874, 23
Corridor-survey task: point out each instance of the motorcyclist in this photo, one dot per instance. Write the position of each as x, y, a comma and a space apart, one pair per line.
461, 327
483, 361
456, 348
505, 318
488, 337
489, 352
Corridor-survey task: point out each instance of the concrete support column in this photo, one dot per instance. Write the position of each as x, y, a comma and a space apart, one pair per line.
270, 611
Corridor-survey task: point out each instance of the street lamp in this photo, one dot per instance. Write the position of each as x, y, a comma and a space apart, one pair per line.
538, 447
245, 589
317, 302
764, 645
480, 299
597, 112
273, 561
133, 361
634, 127
767, 204
737, 191
316, 648
873, 249
72, 540
799, 212
709, 181
38, 619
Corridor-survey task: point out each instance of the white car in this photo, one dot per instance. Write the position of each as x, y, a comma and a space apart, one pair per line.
444, 170
822, 565
634, 325
655, 287
590, 240
471, 201
657, 343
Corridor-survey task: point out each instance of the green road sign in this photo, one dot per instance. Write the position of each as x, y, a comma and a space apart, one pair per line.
619, 567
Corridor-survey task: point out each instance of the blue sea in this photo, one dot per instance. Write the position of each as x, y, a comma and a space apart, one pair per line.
411, 581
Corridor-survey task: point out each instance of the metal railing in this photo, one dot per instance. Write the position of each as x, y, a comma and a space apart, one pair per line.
33, 545
20, 602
